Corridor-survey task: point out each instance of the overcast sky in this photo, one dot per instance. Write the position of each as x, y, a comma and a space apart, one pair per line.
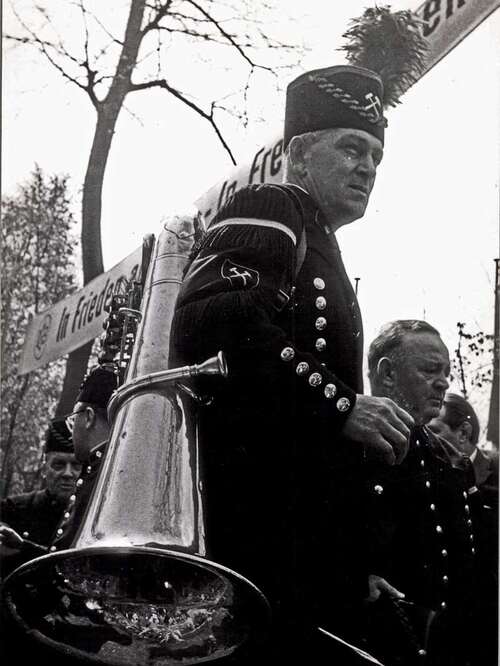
426, 246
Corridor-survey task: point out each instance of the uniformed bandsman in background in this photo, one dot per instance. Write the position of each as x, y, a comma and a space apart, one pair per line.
29, 520
424, 520
286, 431
89, 426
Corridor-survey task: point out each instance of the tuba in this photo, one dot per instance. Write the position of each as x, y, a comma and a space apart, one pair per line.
136, 586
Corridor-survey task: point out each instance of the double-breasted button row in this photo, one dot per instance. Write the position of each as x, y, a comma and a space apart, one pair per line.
315, 378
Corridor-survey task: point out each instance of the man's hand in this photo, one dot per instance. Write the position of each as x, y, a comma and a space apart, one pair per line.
10, 541
378, 586
381, 426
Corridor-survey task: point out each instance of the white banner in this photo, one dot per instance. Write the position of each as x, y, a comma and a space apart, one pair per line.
447, 22
77, 319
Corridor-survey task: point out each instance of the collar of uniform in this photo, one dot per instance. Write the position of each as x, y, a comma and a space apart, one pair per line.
97, 454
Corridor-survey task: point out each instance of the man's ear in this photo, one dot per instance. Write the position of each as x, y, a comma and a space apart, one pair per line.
464, 432
296, 153
90, 417
385, 372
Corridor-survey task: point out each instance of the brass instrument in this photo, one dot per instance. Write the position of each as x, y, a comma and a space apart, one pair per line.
136, 587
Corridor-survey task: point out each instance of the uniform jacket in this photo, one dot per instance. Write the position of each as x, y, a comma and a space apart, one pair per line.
35, 517
424, 521
486, 470
74, 512
271, 439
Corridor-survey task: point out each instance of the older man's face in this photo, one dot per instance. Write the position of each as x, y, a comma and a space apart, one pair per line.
421, 370
62, 471
341, 167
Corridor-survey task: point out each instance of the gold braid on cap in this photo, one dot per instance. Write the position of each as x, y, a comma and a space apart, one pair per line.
343, 96
390, 44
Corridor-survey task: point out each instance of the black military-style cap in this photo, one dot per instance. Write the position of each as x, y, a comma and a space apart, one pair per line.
58, 437
339, 96
98, 386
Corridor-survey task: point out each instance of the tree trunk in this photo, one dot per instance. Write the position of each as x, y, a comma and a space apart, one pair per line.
7, 466
107, 114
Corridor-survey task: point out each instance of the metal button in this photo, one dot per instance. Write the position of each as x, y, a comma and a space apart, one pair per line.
473, 551
471, 537
320, 323
52, 549
444, 553
467, 508
343, 404
315, 379
330, 390
443, 605
319, 283
67, 514
469, 522
417, 442
422, 463
321, 302
89, 469
378, 489
432, 507
72, 498
464, 494
422, 653
439, 529
302, 368
287, 354
26, 534
79, 482
59, 531
444, 579
320, 344
98, 454
427, 484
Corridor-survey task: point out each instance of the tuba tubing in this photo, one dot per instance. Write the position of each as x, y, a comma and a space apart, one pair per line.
136, 586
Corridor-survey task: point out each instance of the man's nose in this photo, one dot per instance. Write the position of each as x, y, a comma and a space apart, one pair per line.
442, 382
69, 470
367, 166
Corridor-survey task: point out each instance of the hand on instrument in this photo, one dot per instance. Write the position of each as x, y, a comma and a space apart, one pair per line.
10, 541
382, 426
378, 586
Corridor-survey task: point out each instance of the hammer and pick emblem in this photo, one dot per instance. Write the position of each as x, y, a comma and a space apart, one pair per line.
374, 106
240, 277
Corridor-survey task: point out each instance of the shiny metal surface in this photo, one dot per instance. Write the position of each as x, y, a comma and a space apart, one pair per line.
135, 588
135, 606
148, 490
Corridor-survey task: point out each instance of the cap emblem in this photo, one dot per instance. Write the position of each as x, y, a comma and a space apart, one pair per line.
372, 111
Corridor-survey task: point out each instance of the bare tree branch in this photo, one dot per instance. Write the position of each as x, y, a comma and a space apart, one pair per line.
161, 83
161, 12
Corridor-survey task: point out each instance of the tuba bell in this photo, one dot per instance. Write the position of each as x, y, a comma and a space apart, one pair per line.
136, 586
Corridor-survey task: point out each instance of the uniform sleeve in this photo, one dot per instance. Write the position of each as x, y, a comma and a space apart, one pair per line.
232, 296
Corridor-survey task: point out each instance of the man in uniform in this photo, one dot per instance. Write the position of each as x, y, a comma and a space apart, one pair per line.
285, 432
424, 517
90, 430
458, 423
30, 519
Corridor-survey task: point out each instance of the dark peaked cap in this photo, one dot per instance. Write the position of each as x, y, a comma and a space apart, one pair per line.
340, 96
58, 437
98, 386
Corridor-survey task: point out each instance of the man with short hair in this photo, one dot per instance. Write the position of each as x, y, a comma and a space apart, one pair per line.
286, 430
424, 517
30, 520
89, 426
457, 422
